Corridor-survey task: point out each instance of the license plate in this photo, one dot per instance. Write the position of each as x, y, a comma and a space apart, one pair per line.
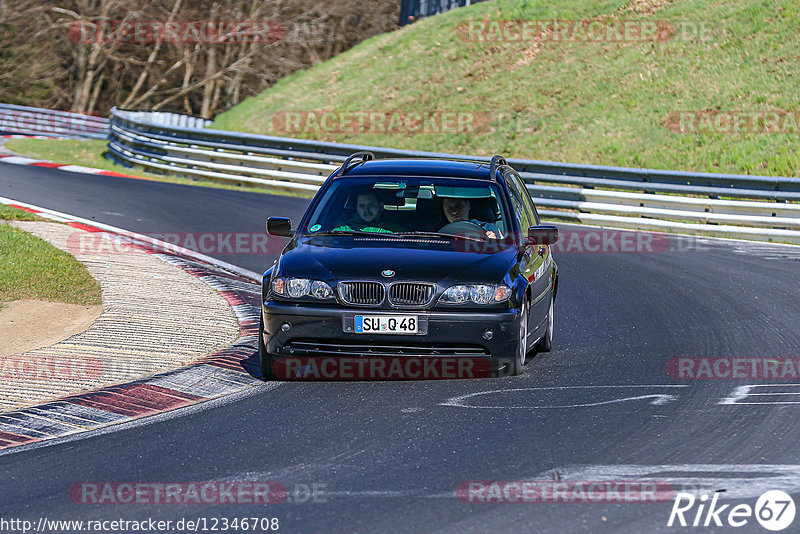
386, 324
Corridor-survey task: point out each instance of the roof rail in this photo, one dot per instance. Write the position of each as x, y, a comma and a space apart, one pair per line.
365, 156
496, 162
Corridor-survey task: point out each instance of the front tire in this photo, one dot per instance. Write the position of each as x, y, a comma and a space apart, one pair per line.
264, 359
546, 343
518, 364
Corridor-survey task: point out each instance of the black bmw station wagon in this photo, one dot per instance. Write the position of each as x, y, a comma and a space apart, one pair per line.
419, 265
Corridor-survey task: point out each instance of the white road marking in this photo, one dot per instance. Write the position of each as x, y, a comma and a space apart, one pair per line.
658, 399
744, 392
771, 251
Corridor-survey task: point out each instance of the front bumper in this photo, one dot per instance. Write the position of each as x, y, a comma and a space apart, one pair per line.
448, 333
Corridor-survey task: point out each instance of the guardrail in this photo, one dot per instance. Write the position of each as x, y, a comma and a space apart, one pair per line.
37, 121
765, 208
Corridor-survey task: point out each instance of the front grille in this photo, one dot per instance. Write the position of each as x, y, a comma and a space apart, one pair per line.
322, 347
361, 293
410, 294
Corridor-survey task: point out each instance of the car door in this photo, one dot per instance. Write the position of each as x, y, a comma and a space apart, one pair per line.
535, 261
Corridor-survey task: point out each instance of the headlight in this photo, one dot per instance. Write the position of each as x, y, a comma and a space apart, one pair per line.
481, 294
456, 294
478, 294
301, 287
321, 290
297, 287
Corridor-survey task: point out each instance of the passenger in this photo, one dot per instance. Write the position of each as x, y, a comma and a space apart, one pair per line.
369, 217
457, 209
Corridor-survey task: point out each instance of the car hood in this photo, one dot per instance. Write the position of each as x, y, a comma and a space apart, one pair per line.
348, 259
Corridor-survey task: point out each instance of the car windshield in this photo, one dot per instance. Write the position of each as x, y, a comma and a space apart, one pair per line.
410, 206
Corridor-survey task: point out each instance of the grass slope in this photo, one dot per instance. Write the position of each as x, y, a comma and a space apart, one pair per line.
602, 103
31, 268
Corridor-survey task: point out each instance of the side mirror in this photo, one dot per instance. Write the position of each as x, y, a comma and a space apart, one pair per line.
542, 235
279, 226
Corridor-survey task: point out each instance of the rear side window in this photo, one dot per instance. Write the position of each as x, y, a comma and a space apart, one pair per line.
522, 210
530, 207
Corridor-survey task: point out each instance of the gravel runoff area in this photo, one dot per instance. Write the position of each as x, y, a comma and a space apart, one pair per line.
155, 317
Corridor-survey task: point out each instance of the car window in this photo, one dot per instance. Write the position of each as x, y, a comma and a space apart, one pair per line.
536, 215
521, 210
533, 214
522, 190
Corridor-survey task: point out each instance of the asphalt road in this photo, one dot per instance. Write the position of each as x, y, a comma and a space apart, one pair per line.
388, 456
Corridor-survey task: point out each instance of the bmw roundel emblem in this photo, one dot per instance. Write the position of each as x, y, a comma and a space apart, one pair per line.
388, 273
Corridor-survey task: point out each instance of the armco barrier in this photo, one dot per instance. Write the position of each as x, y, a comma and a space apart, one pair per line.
36, 121
764, 208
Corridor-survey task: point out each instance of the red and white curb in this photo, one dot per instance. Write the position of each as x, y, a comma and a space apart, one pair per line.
22, 160
230, 370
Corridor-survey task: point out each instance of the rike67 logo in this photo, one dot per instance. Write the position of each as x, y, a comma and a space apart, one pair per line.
774, 510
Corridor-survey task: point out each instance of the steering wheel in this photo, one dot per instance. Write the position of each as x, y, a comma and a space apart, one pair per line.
462, 227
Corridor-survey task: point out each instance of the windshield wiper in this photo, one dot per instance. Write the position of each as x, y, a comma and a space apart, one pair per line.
343, 233
440, 235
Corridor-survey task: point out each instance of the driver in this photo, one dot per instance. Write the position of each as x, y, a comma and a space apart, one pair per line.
369, 216
457, 209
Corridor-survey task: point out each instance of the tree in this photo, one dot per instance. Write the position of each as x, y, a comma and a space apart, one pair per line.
196, 57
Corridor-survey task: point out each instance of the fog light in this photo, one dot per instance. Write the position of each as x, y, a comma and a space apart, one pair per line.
487, 335
285, 327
